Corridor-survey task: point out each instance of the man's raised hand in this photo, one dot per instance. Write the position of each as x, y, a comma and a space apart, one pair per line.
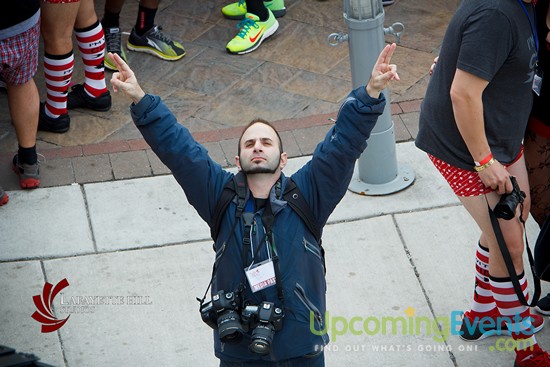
125, 80
383, 72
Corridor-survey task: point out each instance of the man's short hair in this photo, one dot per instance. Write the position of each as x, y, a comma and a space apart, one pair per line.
261, 121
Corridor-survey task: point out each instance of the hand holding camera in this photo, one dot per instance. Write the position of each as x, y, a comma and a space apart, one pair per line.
496, 177
508, 203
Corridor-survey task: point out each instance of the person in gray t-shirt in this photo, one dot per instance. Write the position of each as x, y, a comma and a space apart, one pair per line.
472, 123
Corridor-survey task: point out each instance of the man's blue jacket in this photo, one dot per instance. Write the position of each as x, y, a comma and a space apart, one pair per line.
323, 181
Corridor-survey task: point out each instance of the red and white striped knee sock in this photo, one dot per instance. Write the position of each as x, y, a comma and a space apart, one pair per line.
58, 70
91, 43
483, 304
517, 316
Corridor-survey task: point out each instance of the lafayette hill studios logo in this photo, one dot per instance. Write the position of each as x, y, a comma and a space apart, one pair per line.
43, 303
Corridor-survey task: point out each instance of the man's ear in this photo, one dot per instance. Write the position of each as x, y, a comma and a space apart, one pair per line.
238, 162
284, 160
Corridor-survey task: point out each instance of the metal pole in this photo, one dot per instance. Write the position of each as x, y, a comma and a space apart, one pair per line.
379, 172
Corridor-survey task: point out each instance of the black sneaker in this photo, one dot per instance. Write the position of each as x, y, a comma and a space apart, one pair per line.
473, 330
57, 125
157, 43
543, 305
79, 98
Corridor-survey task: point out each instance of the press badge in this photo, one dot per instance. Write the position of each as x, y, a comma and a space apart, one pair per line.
261, 275
537, 80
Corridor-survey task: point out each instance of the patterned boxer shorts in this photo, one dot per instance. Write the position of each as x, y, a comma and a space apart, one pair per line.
464, 182
19, 56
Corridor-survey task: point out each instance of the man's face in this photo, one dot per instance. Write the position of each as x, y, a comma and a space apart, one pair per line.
260, 152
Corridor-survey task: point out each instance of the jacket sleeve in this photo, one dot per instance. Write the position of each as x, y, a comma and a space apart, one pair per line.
201, 178
325, 179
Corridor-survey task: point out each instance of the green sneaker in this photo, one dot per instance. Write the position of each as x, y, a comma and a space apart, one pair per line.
238, 10
157, 43
113, 44
252, 33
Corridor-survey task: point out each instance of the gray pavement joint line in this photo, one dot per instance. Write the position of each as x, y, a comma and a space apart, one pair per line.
417, 274
88, 217
54, 313
297, 144
148, 247
408, 211
97, 252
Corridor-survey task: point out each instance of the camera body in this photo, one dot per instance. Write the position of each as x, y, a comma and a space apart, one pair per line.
264, 320
224, 313
508, 203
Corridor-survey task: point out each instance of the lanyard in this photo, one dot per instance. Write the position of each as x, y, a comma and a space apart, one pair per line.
533, 30
267, 219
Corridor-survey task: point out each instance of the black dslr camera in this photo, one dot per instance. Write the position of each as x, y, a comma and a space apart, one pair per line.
222, 313
506, 206
265, 320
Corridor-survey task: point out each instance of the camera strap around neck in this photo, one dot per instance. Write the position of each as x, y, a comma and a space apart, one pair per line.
510, 265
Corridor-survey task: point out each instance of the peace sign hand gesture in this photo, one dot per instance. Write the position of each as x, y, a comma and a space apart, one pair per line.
125, 80
383, 72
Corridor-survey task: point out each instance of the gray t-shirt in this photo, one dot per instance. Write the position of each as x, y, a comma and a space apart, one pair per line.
491, 39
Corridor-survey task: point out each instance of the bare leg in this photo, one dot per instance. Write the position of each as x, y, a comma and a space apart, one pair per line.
512, 230
86, 15
24, 103
57, 25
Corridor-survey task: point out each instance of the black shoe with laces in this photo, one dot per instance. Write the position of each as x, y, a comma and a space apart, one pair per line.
57, 125
79, 98
543, 305
114, 45
156, 42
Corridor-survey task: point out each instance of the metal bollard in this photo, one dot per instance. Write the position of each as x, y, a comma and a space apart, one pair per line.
379, 172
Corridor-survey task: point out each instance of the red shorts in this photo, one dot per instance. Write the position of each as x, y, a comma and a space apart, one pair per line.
19, 56
464, 182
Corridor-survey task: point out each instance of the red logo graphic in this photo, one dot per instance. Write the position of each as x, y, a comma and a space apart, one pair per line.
44, 314
253, 39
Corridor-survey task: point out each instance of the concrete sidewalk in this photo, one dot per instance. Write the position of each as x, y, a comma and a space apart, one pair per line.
111, 220
405, 256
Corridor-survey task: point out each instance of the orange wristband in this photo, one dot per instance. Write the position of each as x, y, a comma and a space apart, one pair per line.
484, 160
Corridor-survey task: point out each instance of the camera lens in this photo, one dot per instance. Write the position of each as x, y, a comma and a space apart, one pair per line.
504, 212
506, 207
262, 336
229, 327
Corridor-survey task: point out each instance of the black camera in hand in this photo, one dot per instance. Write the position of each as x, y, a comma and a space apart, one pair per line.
508, 203
222, 313
265, 320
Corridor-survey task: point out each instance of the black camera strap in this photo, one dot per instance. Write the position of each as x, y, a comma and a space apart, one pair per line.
242, 190
509, 263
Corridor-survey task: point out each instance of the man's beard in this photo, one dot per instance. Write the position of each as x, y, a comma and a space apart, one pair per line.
253, 169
